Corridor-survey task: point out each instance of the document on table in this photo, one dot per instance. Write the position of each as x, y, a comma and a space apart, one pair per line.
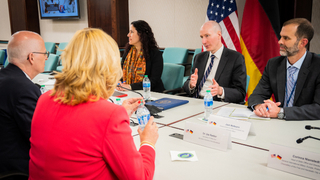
239, 113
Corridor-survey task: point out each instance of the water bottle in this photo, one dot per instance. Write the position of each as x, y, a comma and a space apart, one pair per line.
208, 104
118, 101
43, 89
143, 115
146, 88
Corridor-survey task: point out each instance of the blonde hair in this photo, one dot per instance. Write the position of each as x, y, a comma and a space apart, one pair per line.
91, 68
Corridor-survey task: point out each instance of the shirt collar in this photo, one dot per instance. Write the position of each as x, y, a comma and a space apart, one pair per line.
26, 75
298, 64
218, 53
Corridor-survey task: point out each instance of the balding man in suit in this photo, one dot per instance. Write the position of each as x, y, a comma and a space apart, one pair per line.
218, 69
27, 55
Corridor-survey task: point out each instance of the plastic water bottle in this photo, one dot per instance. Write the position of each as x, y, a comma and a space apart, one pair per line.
208, 104
118, 101
143, 115
43, 89
146, 88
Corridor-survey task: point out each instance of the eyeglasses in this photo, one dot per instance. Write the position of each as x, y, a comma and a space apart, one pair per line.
46, 53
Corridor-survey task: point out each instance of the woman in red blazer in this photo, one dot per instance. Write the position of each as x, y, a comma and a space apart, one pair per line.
76, 133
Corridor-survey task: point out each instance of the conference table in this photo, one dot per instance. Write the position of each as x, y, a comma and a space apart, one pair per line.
246, 160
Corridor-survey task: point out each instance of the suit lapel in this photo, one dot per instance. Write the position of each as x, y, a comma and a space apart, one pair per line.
303, 74
281, 80
222, 64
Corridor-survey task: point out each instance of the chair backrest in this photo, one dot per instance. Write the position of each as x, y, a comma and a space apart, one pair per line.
175, 55
172, 75
6, 63
51, 63
248, 80
2, 54
196, 51
50, 46
61, 47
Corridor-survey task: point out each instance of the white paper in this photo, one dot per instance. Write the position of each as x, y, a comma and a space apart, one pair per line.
239, 113
50, 82
225, 111
183, 156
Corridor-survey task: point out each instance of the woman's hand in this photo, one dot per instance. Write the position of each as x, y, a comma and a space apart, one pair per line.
150, 133
131, 105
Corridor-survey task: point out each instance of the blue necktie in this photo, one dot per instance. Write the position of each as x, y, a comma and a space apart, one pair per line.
205, 76
291, 85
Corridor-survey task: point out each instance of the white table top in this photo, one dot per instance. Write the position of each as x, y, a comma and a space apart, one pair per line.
273, 131
240, 162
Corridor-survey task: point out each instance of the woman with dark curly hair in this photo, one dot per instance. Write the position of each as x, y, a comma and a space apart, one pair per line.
141, 57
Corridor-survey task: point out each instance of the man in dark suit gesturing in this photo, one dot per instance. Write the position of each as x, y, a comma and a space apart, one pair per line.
219, 69
293, 78
27, 55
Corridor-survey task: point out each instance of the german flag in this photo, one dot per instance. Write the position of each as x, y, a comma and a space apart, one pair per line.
279, 157
191, 131
260, 31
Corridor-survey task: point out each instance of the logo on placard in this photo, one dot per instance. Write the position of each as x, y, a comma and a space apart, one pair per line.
185, 155
189, 131
212, 122
276, 156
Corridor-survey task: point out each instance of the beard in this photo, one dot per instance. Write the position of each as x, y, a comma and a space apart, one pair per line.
289, 51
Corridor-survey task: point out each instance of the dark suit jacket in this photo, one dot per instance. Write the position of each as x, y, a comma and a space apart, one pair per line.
306, 103
154, 68
231, 75
18, 100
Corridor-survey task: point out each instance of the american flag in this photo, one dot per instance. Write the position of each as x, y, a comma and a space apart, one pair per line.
225, 13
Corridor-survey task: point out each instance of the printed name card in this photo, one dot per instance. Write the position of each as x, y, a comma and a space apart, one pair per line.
295, 161
208, 136
239, 129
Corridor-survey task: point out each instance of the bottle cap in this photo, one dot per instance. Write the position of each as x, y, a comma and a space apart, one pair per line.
145, 75
43, 85
118, 99
207, 90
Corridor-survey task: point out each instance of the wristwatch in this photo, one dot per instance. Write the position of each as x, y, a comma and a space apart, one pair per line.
281, 114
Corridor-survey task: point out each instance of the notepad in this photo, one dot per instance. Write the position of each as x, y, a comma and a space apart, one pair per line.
167, 103
239, 113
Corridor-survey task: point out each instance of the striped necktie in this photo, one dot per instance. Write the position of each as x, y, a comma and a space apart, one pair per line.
205, 76
291, 86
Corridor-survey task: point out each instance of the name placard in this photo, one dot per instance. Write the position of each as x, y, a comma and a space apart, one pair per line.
208, 136
239, 129
295, 161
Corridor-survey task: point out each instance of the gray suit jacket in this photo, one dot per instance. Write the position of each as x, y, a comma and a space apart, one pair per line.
231, 75
306, 103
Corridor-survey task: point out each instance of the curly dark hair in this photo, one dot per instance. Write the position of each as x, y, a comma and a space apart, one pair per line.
146, 37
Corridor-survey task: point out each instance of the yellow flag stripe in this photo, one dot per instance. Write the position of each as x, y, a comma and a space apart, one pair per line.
252, 69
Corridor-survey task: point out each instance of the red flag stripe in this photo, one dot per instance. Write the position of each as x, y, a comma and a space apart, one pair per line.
232, 33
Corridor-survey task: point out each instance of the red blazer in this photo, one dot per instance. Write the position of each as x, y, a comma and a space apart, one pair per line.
88, 141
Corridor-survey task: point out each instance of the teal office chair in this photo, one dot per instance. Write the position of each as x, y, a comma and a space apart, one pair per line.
59, 68
196, 51
59, 52
61, 47
171, 77
6, 63
2, 54
248, 80
50, 46
51, 63
175, 55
